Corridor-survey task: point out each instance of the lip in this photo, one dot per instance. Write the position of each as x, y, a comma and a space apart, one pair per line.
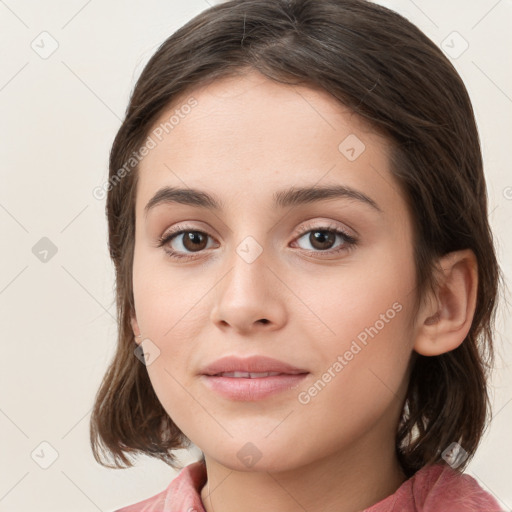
251, 389
247, 389
256, 364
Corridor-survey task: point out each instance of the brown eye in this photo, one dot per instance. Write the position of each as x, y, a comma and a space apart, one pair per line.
325, 240
321, 239
184, 243
194, 240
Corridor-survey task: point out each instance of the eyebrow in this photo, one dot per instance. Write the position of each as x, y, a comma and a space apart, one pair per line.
293, 196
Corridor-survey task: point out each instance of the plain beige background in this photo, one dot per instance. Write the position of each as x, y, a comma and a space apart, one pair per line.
67, 68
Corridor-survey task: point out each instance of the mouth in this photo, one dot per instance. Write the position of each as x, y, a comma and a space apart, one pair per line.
248, 375
251, 379
253, 367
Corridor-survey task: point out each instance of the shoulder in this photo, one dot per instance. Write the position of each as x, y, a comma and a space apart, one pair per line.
438, 488
439, 484
181, 495
157, 502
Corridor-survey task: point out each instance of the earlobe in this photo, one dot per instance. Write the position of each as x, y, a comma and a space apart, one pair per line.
135, 328
445, 319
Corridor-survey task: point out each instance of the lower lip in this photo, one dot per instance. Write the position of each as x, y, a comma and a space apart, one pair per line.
240, 388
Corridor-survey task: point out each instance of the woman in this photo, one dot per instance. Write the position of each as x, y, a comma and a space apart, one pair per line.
306, 279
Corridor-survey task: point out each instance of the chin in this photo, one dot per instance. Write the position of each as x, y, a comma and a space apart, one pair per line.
258, 456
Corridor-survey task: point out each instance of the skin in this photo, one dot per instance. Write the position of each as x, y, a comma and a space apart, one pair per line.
247, 138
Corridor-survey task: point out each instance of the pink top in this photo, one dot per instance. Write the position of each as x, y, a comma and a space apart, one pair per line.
436, 488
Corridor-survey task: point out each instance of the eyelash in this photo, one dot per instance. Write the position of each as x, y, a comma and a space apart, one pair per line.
349, 241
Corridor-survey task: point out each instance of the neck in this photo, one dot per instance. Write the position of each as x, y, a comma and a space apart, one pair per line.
348, 480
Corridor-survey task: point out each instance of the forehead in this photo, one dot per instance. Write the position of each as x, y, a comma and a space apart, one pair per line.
253, 107
245, 134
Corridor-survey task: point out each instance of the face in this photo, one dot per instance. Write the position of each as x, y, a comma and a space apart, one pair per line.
325, 285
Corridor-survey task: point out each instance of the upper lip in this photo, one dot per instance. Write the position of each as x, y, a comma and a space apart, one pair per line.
250, 364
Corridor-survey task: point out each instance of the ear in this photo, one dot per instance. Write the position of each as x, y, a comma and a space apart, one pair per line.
135, 327
445, 317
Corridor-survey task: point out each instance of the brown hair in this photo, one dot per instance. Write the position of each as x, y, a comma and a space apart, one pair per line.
386, 70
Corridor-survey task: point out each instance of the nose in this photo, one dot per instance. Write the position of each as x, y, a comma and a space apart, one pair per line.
250, 298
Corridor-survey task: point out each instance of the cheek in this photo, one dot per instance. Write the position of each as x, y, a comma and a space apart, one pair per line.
365, 352
170, 313
362, 384
170, 305
358, 302
368, 354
